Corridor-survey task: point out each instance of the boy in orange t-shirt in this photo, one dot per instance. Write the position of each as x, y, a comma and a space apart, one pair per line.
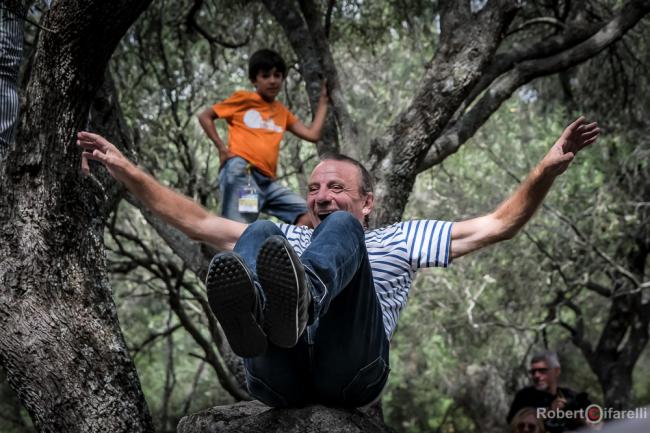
256, 122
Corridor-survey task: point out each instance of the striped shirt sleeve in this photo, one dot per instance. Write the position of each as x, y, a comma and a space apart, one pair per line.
428, 243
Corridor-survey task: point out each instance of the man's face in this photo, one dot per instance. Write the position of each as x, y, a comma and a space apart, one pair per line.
544, 378
268, 84
336, 185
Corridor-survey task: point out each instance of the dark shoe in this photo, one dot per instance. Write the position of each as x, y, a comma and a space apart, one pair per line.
234, 302
285, 284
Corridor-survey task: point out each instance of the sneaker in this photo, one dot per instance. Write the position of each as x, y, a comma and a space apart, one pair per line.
285, 284
235, 304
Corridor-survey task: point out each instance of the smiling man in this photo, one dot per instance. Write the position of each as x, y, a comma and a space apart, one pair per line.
312, 311
546, 393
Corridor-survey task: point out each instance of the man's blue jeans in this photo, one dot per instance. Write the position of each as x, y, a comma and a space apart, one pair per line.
342, 358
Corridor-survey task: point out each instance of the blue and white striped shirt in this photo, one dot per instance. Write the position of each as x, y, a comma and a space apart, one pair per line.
11, 51
395, 252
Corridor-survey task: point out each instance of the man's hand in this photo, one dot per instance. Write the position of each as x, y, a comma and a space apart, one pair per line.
99, 149
558, 403
575, 137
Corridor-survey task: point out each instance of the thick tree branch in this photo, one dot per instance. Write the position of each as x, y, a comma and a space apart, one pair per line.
466, 47
526, 71
349, 134
287, 14
599, 289
192, 23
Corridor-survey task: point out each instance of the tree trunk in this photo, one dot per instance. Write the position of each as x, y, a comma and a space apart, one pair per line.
617, 387
61, 344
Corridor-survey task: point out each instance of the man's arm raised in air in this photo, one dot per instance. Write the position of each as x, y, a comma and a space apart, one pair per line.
174, 208
511, 215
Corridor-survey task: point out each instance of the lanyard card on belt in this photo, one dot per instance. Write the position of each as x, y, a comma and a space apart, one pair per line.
248, 198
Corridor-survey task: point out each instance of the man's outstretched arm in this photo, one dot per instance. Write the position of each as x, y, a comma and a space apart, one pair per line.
174, 208
511, 215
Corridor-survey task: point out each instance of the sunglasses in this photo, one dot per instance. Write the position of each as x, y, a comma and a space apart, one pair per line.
532, 371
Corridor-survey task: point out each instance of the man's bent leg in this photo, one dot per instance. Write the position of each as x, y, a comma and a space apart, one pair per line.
351, 347
334, 257
251, 241
233, 300
279, 377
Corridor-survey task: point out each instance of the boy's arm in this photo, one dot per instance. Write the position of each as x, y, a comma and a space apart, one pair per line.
206, 120
315, 130
511, 215
176, 209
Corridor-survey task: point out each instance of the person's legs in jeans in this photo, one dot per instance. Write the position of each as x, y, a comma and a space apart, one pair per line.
11, 47
350, 352
234, 176
348, 347
279, 377
278, 200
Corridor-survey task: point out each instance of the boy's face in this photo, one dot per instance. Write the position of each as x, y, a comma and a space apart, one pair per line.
268, 84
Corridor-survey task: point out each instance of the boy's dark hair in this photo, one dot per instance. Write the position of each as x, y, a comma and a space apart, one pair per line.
265, 60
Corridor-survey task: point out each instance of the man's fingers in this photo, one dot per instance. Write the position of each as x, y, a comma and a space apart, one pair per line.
95, 155
574, 126
85, 168
88, 140
589, 141
590, 134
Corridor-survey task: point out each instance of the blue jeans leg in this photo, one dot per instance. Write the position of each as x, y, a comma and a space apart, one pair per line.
350, 354
280, 377
278, 200
235, 175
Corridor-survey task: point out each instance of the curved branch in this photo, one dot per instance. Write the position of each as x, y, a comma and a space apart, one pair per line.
540, 20
599, 289
524, 72
192, 23
152, 338
346, 126
308, 40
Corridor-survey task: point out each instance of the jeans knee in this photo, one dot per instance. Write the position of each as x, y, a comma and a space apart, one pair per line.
347, 220
263, 228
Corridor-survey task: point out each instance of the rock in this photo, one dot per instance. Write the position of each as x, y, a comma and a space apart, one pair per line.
254, 417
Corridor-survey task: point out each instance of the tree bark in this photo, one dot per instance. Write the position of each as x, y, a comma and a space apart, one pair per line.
61, 344
467, 43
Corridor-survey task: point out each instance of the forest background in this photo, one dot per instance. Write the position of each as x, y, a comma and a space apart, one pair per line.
574, 280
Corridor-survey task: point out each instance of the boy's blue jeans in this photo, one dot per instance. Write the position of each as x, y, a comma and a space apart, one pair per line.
274, 199
342, 358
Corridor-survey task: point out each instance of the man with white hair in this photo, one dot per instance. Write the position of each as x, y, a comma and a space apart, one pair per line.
546, 393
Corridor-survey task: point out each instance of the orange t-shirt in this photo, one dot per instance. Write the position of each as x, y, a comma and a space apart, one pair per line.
255, 128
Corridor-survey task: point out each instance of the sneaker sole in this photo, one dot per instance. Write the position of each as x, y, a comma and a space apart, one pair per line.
279, 277
231, 297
